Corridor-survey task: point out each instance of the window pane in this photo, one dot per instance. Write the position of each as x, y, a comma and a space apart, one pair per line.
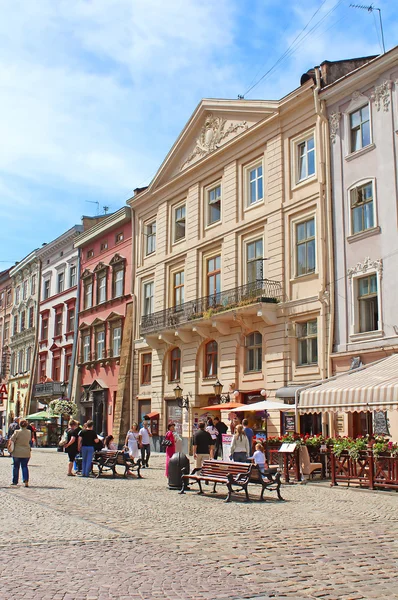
355, 119
311, 256
365, 113
311, 162
310, 228
252, 192
355, 139
357, 219
363, 286
301, 259
373, 284
301, 232
366, 134
260, 189
368, 221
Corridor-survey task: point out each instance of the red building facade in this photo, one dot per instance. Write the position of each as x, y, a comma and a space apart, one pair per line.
105, 292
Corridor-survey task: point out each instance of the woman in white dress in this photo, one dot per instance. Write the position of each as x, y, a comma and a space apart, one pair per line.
133, 441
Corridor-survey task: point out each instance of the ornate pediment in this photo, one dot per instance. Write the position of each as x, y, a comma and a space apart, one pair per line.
366, 266
214, 131
116, 260
86, 274
100, 267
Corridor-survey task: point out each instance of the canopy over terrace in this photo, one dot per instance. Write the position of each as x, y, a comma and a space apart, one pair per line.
264, 405
373, 387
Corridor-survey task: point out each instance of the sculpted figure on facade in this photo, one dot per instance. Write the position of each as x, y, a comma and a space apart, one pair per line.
334, 122
381, 95
365, 266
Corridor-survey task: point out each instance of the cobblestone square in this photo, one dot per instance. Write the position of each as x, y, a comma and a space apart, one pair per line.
65, 538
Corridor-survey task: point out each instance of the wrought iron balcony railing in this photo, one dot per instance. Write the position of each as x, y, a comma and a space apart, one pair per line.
206, 307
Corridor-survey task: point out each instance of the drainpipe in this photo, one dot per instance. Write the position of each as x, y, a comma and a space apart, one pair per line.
76, 328
329, 273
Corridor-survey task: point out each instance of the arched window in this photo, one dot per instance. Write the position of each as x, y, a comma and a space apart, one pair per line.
211, 359
175, 364
254, 352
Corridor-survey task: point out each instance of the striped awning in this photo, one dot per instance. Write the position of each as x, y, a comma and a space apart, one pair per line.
372, 387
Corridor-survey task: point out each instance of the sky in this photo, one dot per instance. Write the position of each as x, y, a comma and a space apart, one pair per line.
93, 93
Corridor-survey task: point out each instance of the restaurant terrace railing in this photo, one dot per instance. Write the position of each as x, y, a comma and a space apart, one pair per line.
204, 308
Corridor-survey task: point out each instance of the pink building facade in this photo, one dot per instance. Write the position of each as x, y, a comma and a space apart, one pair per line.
105, 292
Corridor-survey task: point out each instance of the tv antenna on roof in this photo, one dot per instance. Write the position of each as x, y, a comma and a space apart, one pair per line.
370, 9
105, 209
94, 202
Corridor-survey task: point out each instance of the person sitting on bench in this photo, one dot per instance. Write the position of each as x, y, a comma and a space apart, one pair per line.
259, 458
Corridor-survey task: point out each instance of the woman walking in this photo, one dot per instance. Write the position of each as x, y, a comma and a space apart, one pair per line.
71, 445
133, 442
86, 445
21, 453
240, 445
170, 445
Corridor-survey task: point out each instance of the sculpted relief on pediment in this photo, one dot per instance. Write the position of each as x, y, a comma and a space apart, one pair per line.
211, 136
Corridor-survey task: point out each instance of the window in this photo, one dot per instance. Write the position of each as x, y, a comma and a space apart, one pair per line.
1, 299
33, 285
360, 128
17, 294
30, 317
9, 296
305, 159
101, 290
211, 359
15, 325
72, 276
56, 374
214, 205
305, 247
46, 289
146, 371
86, 348
116, 341
42, 368
118, 282
100, 345
90, 253
28, 358
22, 322
175, 364
307, 341
58, 324
148, 298
20, 361
6, 331
61, 282
88, 294
71, 318
25, 290
44, 329
119, 237
254, 350
214, 276
179, 223
178, 288
255, 191
13, 364
368, 303
254, 263
104, 246
362, 209
150, 238
68, 364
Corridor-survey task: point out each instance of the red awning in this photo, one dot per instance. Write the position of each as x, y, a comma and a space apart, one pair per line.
152, 414
224, 406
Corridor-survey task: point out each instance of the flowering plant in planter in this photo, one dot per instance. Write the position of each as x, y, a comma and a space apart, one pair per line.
353, 446
383, 445
63, 406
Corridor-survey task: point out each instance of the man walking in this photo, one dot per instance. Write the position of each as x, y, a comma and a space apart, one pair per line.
146, 435
222, 429
202, 443
86, 444
249, 434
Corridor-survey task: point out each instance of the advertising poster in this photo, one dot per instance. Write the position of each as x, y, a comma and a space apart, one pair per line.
226, 445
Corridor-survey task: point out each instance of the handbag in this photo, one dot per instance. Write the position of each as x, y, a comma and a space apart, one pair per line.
10, 446
167, 443
64, 439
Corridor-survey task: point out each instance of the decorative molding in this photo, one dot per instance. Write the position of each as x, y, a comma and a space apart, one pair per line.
334, 122
211, 135
366, 266
381, 95
117, 258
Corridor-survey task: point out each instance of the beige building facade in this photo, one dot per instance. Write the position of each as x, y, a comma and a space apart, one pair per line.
232, 261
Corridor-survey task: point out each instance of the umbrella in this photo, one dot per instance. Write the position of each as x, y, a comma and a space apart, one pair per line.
224, 406
42, 415
265, 405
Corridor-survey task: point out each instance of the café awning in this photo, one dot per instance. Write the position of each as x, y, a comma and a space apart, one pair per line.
288, 391
223, 406
372, 387
42, 415
151, 415
265, 405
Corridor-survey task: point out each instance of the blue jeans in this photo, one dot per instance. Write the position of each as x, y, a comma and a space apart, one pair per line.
239, 456
23, 463
87, 455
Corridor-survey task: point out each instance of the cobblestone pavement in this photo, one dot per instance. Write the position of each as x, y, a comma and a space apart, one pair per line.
65, 538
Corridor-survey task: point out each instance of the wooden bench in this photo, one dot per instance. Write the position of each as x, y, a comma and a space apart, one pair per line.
271, 480
109, 460
234, 475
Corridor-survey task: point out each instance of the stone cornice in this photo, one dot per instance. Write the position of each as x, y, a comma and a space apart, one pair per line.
59, 243
118, 218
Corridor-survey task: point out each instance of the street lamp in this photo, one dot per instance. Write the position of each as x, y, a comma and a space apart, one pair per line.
223, 398
183, 401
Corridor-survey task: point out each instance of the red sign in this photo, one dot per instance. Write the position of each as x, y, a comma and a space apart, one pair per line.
3, 391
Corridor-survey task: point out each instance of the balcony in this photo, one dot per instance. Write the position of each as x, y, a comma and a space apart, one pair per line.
203, 309
50, 388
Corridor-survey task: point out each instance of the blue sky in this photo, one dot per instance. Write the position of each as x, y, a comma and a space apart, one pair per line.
94, 92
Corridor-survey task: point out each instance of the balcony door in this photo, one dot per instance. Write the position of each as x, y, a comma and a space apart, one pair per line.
213, 271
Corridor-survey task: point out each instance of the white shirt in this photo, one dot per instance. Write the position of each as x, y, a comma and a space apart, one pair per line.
145, 435
259, 457
213, 431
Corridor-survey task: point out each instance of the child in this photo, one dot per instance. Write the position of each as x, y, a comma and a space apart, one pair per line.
259, 458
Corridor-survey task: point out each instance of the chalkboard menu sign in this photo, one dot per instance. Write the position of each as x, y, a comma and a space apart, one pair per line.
289, 423
380, 423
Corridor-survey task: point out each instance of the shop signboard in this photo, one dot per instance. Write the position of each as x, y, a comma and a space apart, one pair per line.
226, 445
380, 423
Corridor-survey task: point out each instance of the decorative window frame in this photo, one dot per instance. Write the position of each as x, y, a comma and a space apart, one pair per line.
246, 371
205, 354
246, 241
363, 269
146, 224
297, 183
206, 192
170, 362
145, 282
358, 100
258, 162
101, 270
142, 382
174, 208
303, 218
352, 237
118, 263
176, 268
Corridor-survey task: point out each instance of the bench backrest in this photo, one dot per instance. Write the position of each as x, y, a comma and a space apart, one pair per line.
217, 468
